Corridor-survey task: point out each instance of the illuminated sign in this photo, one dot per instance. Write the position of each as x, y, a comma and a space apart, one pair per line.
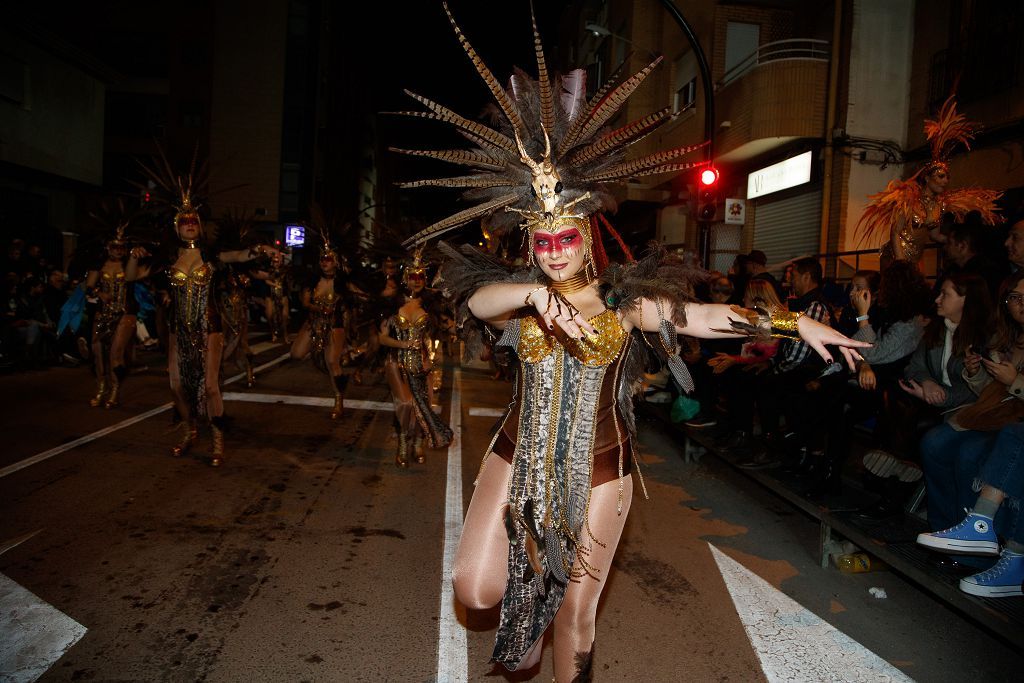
295, 235
783, 175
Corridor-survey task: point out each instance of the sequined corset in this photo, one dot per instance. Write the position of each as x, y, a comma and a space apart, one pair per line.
324, 304
536, 344
114, 285
403, 329
192, 298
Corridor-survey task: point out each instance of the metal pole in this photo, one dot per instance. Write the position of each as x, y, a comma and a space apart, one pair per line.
704, 235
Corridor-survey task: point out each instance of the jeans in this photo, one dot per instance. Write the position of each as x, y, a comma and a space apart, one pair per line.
1003, 469
952, 461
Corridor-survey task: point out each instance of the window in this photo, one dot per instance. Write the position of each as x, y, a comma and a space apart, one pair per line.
684, 78
741, 41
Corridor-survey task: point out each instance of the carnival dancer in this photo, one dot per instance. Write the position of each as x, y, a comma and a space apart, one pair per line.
276, 303
553, 493
195, 323
233, 296
323, 336
909, 212
409, 335
116, 313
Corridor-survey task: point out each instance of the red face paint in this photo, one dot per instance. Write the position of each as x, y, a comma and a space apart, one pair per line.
562, 244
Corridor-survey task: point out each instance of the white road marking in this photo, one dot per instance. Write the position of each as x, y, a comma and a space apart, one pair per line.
452, 655
46, 455
35, 634
792, 643
321, 401
486, 412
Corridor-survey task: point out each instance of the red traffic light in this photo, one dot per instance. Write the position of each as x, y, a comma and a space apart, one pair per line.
709, 176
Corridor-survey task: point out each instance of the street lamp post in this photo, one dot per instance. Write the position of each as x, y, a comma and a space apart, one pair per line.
704, 235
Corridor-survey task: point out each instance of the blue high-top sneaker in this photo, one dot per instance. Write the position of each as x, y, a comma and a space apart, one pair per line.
1001, 581
973, 536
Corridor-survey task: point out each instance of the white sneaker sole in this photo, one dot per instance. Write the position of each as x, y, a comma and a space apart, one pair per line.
952, 545
990, 591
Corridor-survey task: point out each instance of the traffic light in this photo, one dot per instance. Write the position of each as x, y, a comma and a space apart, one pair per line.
707, 193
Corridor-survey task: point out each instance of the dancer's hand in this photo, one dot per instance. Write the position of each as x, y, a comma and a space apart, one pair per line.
555, 309
818, 335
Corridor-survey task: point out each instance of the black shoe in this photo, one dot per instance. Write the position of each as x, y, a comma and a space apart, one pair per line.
879, 511
762, 461
735, 439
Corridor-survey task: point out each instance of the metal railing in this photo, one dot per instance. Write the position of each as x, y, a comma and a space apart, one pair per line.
836, 262
778, 51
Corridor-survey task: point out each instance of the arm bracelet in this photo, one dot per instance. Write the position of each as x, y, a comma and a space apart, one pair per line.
526, 301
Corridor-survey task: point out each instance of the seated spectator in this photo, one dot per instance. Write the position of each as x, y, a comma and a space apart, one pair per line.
953, 453
1001, 479
963, 254
791, 372
31, 324
696, 352
756, 267
863, 281
895, 326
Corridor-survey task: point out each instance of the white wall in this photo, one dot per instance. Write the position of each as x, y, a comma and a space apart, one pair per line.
879, 105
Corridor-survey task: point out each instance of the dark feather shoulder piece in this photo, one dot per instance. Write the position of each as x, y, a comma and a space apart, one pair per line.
467, 269
656, 275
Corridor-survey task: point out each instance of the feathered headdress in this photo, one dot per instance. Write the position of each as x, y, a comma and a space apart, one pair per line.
945, 132
551, 156
417, 267
177, 192
115, 217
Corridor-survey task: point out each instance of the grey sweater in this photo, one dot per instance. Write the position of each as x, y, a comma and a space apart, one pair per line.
896, 342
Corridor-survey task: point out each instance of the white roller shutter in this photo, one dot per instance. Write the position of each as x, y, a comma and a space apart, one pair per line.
788, 228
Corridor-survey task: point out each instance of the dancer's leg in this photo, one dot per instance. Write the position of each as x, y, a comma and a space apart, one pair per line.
214, 352
481, 561
576, 618
300, 346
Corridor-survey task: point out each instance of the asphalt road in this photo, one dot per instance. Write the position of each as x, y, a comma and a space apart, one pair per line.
310, 557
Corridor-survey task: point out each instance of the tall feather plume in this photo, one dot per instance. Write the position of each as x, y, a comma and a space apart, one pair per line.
462, 181
636, 166
442, 113
947, 129
573, 97
629, 134
463, 157
500, 96
547, 101
461, 218
576, 123
606, 107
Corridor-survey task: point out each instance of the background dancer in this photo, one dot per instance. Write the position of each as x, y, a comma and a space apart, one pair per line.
409, 333
323, 336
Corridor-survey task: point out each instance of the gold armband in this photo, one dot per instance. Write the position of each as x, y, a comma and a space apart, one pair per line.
783, 324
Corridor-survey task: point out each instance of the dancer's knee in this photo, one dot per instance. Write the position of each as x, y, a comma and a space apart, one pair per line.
475, 591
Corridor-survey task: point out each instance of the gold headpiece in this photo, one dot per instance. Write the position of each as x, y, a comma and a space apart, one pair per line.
417, 267
578, 155
177, 191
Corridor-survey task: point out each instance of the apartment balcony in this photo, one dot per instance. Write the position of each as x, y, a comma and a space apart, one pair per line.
774, 96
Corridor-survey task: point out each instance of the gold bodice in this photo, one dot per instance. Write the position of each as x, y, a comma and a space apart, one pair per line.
324, 303
191, 297
536, 343
113, 284
200, 277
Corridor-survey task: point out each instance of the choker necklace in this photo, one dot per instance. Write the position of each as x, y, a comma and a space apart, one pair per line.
191, 244
578, 282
